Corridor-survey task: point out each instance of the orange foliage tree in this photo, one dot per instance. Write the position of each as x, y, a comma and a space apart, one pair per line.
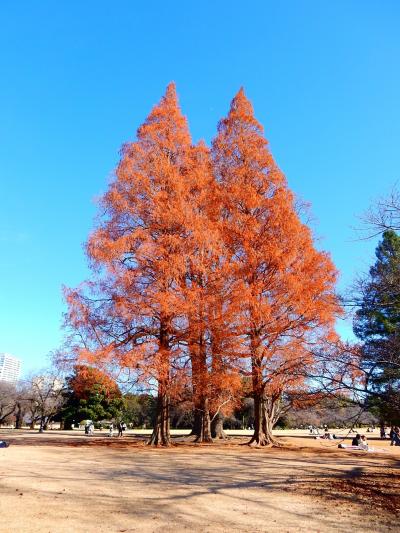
285, 286
85, 379
203, 272
131, 318
206, 289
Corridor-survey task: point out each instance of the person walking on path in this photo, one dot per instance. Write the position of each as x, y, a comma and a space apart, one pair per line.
121, 428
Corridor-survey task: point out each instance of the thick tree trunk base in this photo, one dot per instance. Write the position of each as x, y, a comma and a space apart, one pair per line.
159, 440
262, 440
161, 434
217, 428
203, 439
221, 436
202, 425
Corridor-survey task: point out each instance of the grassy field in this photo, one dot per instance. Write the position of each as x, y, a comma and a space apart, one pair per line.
68, 482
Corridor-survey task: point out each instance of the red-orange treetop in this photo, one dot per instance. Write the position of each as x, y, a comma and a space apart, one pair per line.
286, 287
137, 250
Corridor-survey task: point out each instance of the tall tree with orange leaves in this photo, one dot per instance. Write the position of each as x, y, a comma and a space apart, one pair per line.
284, 285
129, 316
206, 291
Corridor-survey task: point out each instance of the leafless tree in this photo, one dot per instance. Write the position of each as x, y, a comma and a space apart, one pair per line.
7, 400
45, 397
383, 215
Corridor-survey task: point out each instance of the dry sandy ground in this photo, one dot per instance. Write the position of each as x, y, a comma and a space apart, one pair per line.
61, 483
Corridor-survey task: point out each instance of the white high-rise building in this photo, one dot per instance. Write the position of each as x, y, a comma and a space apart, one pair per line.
10, 368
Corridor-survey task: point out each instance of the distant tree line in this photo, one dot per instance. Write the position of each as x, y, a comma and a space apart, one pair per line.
90, 394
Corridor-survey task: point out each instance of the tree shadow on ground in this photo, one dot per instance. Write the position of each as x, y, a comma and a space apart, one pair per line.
181, 477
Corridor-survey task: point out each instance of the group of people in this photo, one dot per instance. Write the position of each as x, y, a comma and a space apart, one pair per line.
327, 435
121, 426
89, 428
359, 442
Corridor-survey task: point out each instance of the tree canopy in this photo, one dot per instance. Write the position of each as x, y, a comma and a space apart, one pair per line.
90, 395
377, 325
203, 273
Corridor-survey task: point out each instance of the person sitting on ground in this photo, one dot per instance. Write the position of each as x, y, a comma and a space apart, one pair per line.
356, 440
363, 443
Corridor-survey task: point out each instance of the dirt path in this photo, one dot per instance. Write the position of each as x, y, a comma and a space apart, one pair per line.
70, 485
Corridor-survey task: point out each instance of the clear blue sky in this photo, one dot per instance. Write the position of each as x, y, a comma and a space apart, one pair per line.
77, 78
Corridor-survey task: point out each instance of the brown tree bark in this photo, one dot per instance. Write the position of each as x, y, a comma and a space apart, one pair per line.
161, 431
263, 412
202, 422
217, 427
19, 416
161, 428
264, 421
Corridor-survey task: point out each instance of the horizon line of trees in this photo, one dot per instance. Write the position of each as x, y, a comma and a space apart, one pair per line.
89, 394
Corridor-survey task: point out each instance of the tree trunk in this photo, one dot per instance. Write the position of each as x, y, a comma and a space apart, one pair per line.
201, 428
204, 422
42, 424
260, 436
18, 417
217, 427
264, 420
197, 423
161, 429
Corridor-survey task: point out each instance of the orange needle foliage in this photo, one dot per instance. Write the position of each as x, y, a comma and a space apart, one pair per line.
139, 248
207, 294
285, 286
203, 272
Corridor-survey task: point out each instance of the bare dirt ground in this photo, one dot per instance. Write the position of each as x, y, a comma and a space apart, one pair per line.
66, 482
